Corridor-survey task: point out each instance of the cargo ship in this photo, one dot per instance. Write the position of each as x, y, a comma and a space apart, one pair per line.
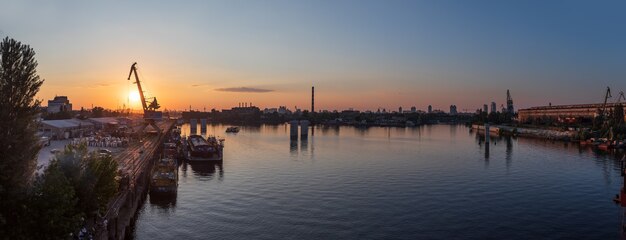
200, 149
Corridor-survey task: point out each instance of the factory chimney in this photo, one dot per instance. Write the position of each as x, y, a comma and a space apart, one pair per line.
313, 99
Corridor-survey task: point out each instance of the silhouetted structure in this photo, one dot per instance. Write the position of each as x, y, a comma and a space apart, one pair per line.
453, 110
313, 99
509, 103
59, 104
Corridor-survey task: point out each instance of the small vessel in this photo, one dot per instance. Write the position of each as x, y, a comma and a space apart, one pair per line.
164, 176
604, 146
170, 150
200, 149
232, 129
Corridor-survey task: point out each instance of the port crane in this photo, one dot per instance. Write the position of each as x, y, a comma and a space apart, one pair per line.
620, 97
602, 110
150, 113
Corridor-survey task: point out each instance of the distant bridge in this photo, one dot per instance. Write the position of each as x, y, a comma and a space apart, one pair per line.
577, 111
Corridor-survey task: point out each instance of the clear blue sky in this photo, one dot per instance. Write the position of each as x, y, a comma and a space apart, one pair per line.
361, 54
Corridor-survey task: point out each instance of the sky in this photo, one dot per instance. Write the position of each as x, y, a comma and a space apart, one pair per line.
358, 54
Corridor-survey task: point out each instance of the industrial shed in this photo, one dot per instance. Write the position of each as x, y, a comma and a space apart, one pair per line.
65, 128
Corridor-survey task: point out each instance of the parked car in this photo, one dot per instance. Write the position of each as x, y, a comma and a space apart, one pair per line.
104, 152
44, 141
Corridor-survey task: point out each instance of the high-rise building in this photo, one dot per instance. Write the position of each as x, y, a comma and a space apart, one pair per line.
400, 109
493, 107
430, 109
453, 109
509, 102
413, 109
485, 108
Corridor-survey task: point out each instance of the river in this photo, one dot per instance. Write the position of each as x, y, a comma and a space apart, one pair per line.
429, 182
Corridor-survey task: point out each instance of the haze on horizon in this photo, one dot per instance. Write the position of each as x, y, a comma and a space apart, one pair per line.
359, 54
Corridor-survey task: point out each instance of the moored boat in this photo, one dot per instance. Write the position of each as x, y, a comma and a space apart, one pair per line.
164, 176
604, 146
200, 149
232, 129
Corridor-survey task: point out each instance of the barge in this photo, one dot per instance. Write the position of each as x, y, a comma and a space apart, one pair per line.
200, 149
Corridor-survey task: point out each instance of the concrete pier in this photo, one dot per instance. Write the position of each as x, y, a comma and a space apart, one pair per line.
136, 163
304, 129
193, 125
203, 125
293, 129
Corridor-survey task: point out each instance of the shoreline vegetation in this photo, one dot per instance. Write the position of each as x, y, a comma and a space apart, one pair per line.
64, 199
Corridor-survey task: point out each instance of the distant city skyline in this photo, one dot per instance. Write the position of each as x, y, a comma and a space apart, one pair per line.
358, 54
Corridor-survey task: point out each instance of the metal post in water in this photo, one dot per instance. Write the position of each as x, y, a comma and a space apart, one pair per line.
487, 133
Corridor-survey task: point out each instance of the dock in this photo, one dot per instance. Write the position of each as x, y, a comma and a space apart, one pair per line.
135, 166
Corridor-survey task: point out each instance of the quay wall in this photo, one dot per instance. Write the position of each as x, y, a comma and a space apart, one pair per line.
122, 210
528, 132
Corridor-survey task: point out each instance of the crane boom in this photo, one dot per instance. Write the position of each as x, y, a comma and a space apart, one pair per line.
133, 69
150, 113
620, 97
606, 98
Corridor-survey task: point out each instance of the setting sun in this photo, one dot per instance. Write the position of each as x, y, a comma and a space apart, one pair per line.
134, 97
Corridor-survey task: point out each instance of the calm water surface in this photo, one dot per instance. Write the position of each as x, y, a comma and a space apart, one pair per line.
431, 182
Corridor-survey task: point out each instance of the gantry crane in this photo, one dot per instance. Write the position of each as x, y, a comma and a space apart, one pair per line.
150, 113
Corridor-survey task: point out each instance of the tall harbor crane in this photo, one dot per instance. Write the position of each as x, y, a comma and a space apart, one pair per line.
150, 113
620, 97
603, 118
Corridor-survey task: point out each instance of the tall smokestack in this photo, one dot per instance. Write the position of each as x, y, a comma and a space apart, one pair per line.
312, 99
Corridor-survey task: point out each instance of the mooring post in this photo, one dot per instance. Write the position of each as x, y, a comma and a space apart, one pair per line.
487, 133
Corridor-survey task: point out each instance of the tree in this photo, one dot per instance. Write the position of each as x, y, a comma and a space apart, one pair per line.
103, 171
52, 212
92, 176
97, 111
19, 83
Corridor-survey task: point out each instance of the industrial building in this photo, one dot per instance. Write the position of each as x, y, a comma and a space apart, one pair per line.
563, 112
65, 128
59, 104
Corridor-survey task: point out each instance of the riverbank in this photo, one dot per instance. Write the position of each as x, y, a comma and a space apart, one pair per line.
136, 162
528, 132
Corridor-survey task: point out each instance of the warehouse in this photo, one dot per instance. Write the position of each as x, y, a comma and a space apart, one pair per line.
65, 128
